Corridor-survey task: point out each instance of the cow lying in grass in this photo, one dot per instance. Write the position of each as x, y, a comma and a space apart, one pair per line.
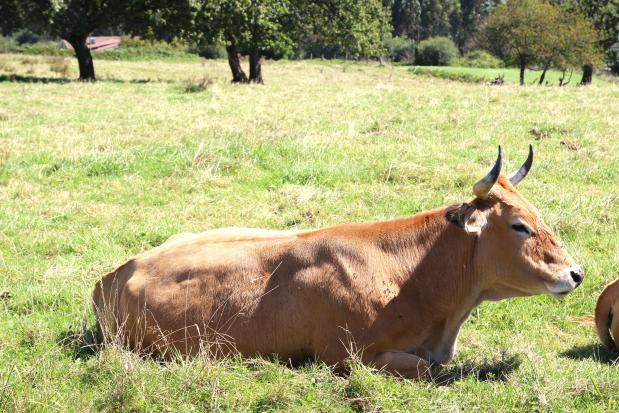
607, 316
397, 290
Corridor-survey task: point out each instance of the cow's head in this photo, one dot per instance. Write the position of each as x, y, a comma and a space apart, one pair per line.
515, 252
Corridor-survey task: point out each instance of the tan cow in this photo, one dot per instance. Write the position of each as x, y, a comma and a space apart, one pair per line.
607, 316
397, 291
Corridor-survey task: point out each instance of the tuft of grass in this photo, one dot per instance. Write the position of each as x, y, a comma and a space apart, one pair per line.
195, 85
5, 65
92, 174
59, 65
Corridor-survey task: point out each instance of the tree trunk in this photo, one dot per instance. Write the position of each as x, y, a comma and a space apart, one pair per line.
543, 76
522, 67
84, 58
238, 76
255, 67
564, 83
587, 74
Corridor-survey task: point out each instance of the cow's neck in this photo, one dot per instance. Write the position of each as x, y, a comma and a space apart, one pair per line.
433, 254
439, 284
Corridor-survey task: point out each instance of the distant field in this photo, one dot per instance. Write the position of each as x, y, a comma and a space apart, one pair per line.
511, 75
91, 174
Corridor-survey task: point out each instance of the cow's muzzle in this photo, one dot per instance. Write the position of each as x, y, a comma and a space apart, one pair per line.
568, 280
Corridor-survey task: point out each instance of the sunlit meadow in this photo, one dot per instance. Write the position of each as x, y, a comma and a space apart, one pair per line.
91, 174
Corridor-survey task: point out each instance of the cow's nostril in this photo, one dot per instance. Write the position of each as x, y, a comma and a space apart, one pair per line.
576, 276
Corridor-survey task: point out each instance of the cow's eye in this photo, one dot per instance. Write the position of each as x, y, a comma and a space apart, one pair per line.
521, 228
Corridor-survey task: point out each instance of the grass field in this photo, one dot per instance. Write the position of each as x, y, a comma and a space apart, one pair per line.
91, 174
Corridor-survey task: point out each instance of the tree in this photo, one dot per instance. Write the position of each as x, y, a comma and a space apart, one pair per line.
274, 27
421, 19
250, 27
460, 20
357, 27
533, 32
472, 16
406, 19
569, 41
10, 20
605, 17
74, 20
513, 30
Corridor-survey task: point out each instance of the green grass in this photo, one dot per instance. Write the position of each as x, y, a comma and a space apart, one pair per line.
511, 75
91, 174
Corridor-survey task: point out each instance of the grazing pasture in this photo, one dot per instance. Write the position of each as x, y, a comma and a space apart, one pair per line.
511, 75
91, 174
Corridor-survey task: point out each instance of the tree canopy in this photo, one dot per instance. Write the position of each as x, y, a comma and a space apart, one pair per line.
274, 27
534, 32
570, 41
355, 26
461, 20
605, 17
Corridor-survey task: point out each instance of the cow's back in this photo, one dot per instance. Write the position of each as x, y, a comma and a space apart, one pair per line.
254, 291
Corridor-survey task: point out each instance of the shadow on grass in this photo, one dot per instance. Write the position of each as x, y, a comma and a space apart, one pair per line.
62, 80
80, 344
596, 352
496, 370
33, 79
493, 370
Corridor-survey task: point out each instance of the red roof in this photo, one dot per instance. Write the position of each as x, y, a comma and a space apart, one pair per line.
96, 43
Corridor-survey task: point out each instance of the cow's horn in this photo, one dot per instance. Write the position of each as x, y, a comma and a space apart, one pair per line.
485, 184
524, 169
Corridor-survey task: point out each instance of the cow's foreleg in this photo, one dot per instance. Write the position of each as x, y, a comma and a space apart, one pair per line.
403, 364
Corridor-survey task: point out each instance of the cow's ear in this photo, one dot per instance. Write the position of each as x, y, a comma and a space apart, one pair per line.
476, 222
466, 216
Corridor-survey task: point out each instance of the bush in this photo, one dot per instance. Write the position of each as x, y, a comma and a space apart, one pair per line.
480, 58
436, 51
400, 49
7, 45
26, 37
449, 75
135, 48
44, 48
312, 46
131, 48
213, 51
129, 42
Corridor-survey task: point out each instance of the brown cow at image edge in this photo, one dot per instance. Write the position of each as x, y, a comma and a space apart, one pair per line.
607, 316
